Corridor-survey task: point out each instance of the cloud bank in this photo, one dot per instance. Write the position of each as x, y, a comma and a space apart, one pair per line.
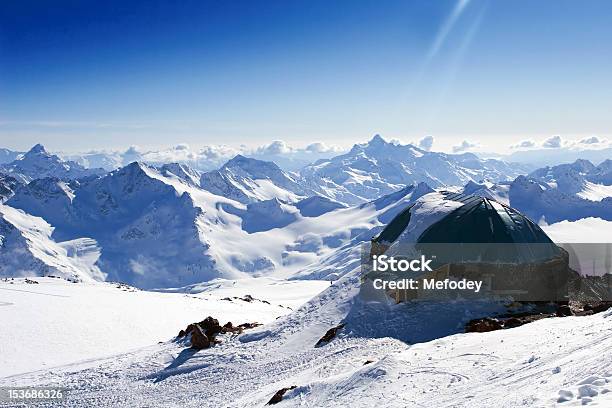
426, 143
210, 157
464, 146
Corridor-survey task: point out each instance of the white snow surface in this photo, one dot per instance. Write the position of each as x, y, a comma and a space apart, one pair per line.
539, 364
27, 249
595, 192
57, 322
585, 230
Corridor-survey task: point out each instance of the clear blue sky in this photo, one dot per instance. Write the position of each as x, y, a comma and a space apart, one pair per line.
84, 74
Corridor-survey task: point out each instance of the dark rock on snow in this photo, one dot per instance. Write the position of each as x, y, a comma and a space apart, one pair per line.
203, 334
278, 397
329, 335
486, 324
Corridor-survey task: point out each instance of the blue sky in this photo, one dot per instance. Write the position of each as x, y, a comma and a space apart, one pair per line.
88, 74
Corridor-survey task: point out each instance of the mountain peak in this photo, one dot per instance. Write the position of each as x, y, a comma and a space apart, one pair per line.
377, 140
583, 165
37, 149
374, 144
249, 164
237, 159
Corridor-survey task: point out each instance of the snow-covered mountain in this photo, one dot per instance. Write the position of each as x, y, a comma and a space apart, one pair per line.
496, 191
248, 180
38, 163
181, 171
148, 231
569, 192
543, 203
317, 205
602, 174
49, 198
8, 185
265, 215
173, 226
582, 178
565, 192
27, 249
7, 156
156, 229
551, 157
376, 168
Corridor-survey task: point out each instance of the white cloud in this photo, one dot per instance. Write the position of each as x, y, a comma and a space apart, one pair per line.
426, 143
132, 150
274, 148
524, 144
320, 147
213, 156
217, 152
553, 142
591, 140
464, 146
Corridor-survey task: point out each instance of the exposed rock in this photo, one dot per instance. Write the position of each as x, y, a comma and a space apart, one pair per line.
598, 306
513, 322
526, 319
246, 298
246, 326
486, 324
564, 310
203, 334
278, 397
199, 340
329, 335
211, 326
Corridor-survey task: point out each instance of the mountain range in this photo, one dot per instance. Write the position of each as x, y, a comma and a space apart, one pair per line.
376, 168
38, 163
171, 225
566, 192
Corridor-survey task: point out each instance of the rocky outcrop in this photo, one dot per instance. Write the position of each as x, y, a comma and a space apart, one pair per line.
486, 324
203, 334
509, 321
278, 397
199, 340
329, 335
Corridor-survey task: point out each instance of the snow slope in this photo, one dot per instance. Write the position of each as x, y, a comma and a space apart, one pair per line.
248, 180
87, 321
27, 249
581, 231
7, 156
595, 192
8, 185
538, 364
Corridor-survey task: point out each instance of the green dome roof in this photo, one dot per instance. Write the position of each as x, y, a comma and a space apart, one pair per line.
473, 228
483, 220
